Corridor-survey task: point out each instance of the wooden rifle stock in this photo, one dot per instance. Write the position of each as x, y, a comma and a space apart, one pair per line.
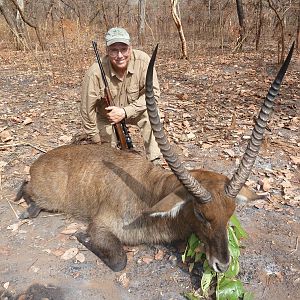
117, 126
123, 137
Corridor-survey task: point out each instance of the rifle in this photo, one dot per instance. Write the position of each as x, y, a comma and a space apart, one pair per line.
121, 130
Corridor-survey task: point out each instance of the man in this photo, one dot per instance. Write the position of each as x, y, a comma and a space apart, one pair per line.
125, 70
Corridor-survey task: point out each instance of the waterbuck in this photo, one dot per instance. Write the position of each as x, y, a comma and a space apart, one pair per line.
128, 200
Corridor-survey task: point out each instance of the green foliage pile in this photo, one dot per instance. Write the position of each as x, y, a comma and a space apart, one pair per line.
226, 285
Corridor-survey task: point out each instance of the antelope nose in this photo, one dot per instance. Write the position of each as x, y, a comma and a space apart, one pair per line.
221, 267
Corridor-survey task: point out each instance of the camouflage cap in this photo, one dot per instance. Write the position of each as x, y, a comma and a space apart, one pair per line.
117, 35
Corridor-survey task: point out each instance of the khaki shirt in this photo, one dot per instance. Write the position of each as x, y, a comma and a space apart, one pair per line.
128, 93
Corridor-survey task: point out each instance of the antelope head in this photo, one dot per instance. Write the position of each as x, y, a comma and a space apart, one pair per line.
211, 195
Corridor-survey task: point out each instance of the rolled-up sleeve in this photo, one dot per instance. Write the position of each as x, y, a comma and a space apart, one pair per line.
90, 94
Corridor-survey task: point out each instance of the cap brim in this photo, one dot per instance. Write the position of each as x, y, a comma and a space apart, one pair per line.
113, 41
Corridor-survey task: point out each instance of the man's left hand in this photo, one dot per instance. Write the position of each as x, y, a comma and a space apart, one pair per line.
115, 114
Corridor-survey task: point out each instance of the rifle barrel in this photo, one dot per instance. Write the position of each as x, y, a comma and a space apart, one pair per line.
100, 63
121, 131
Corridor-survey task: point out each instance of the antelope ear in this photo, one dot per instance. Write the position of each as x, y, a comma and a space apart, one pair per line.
247, 194
169, 206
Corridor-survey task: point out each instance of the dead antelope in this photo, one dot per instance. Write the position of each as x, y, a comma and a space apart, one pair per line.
128, 200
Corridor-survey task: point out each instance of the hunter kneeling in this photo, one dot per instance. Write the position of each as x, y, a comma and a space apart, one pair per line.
125, 74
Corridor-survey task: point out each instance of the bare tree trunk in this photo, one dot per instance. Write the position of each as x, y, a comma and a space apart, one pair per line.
281, 40
177, 20
258, 24
8, 16
118, 15
221, 27
298, 31
105, 17
64, 39
241, 17
49, 15
36, 27
14, 23
20, 23
141, 22
209, 10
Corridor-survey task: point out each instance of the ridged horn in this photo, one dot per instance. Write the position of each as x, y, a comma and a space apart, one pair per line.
190, 183
242, 173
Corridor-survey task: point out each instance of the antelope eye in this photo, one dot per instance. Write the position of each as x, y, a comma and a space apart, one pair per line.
200, 217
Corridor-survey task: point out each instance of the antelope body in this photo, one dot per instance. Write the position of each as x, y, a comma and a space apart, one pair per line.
128, 200
117, 192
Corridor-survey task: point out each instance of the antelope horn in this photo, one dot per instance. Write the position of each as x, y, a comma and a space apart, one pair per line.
241, 175
188, 181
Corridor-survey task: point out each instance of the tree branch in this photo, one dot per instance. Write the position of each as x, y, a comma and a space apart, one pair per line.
36, 28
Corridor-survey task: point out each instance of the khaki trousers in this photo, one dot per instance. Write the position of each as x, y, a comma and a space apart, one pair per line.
143, 123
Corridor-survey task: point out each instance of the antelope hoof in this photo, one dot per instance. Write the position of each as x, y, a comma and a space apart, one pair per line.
31, 212
116, 264
84, 239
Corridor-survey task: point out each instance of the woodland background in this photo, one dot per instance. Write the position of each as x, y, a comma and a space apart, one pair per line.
199, 25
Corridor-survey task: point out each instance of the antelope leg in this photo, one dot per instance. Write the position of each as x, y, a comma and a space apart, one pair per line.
105, 245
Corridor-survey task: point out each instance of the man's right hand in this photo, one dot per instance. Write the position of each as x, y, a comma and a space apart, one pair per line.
115, 114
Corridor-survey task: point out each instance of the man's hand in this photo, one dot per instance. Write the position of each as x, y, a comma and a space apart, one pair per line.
115, 114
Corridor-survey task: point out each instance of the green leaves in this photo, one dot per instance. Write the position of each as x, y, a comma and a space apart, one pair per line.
233, 269
234, 247
206, 280
227, 287
238, 230
193, 243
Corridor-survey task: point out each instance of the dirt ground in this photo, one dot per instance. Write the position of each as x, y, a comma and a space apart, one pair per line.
208, 104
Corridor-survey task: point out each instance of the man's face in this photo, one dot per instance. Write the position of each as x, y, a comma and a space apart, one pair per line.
119, 55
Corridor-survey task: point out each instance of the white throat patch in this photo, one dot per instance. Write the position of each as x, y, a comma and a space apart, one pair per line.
170, 213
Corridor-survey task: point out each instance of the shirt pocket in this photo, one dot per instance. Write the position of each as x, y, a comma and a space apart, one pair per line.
113, 91
133, 93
